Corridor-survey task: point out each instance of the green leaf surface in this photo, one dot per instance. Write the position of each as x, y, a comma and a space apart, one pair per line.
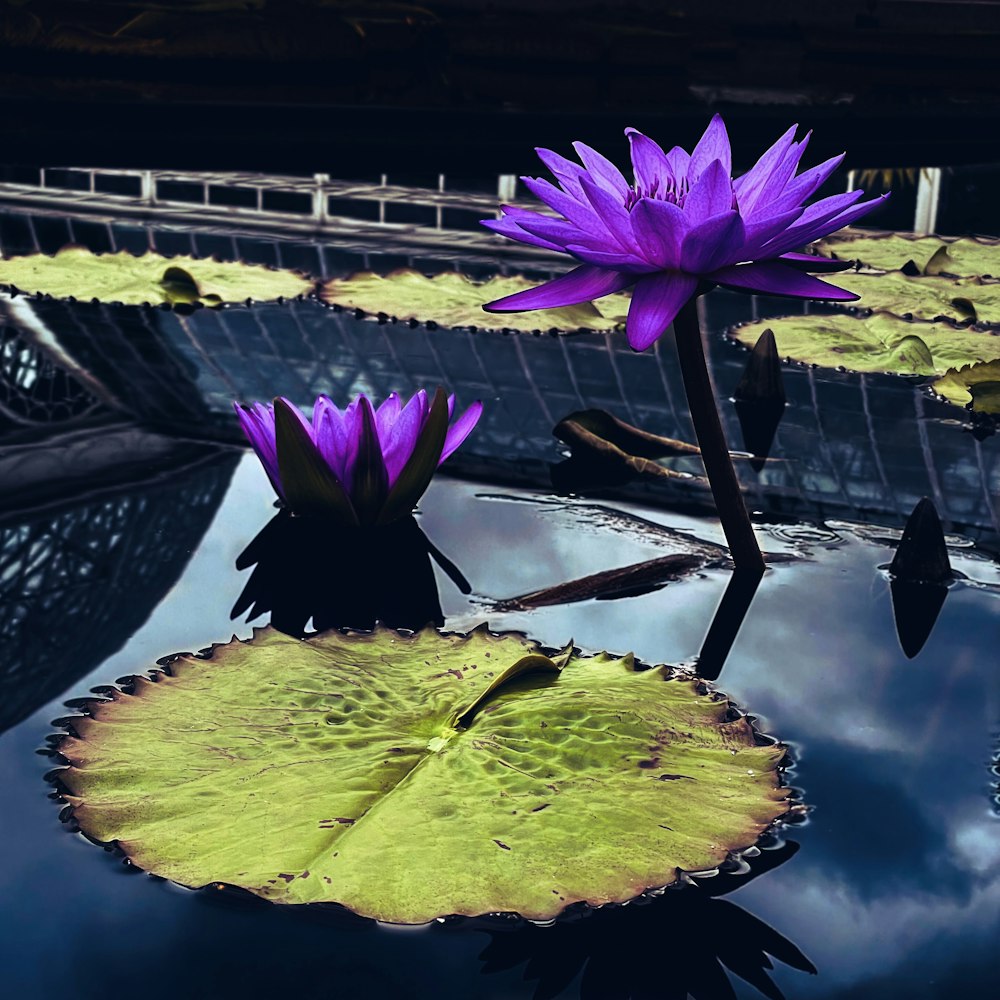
413, 776
978, 384
450, 299
879, 342
75, 272
925, 297
966, 257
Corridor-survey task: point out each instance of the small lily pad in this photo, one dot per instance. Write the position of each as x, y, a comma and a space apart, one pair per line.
452, 300
966, 257
976, 386
880, 342
926, 297
410, 776
75, 272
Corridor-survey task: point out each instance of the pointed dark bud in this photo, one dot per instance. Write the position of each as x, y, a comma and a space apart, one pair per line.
762, 378
922, 555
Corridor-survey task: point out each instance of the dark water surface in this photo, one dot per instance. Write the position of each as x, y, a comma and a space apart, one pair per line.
890, 888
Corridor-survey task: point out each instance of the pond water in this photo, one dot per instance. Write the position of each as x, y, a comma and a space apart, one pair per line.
891, 886
119, 547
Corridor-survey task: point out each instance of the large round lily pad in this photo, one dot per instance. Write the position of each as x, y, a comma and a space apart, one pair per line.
879, 342
965, 257
451, 299
413, 776
75, 272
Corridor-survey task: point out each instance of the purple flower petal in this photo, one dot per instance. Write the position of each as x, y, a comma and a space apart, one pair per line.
821, 229
817, 213
388, 413
565, 171
679, 161
711, 195
659, 228
579, 213
461, 429
582, 284
713, 145
399, 440
260, 434
559, 233
655, 302
774, 184
805, 185
601, 169
352, 437
815, 263
829, 221
331, 435
624, 262
749, 186
712, 243
509, 228
613, 214
649, 162
758, 234
771, 278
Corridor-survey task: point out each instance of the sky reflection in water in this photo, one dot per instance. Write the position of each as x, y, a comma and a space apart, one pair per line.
896, 888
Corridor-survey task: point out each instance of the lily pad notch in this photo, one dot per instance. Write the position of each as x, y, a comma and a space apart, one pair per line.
410, 776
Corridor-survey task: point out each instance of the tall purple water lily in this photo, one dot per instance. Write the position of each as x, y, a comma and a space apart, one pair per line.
683, 225
361, 465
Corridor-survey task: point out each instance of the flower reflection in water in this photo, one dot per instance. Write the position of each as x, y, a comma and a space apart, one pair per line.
359, 465
683, 944
312, 568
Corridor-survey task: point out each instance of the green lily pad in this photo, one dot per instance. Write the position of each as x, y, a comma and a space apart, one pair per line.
452, 300
409, 776
978, 385
926, 297
75, 272
879, 342
966, 257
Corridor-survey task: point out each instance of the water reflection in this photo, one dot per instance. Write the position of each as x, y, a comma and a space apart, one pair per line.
919, 575
727, 621
314, 570
77, 579
685, 943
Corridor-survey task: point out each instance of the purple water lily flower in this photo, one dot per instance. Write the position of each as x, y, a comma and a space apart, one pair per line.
360, 464
683, 224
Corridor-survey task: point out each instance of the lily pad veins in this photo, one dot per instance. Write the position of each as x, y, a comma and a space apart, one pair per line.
411, 776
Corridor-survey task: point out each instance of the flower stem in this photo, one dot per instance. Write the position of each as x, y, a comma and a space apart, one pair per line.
714, 451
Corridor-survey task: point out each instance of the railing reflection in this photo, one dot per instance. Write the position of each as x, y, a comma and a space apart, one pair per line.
77, 579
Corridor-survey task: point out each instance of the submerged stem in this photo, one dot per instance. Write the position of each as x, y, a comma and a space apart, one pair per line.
711, 439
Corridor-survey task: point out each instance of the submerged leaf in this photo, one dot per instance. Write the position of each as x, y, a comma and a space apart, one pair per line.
626, 581
978, 384
75, 272
607, 451
413, 776
966, 257
880, 342
450, 299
